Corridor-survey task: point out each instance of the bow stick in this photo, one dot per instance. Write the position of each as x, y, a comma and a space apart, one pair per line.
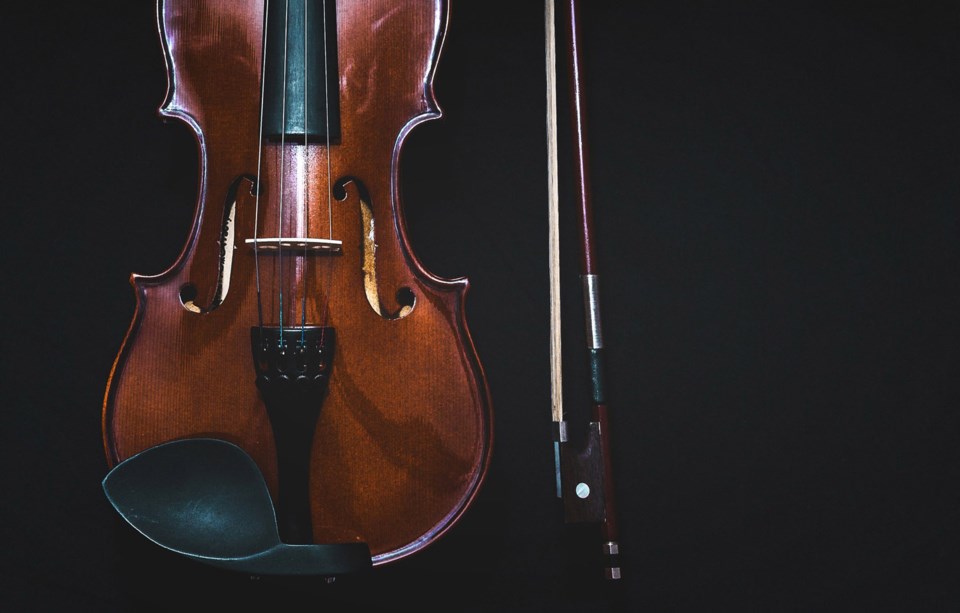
585, 476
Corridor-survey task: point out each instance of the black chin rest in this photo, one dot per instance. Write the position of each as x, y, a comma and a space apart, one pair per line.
207, 500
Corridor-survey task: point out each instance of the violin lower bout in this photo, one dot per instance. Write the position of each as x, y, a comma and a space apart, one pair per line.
403, 436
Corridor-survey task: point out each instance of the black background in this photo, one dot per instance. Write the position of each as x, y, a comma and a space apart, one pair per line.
776, 190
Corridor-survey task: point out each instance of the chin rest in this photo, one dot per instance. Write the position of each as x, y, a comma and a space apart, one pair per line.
207, 500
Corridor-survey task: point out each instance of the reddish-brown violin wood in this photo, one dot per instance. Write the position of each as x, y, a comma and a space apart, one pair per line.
404, 435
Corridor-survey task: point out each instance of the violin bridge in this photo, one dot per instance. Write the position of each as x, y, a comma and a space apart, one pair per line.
296, 244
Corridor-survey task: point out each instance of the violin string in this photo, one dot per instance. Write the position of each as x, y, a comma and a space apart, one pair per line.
283, 157
326, 113
305, 166
327, 268
326, 122
258, 186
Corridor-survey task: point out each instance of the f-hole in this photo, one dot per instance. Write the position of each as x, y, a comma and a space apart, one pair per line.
227, 240
405, 297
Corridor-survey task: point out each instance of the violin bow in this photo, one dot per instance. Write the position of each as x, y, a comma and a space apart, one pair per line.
584, 477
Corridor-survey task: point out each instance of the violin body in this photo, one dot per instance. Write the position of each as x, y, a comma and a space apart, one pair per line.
297, 236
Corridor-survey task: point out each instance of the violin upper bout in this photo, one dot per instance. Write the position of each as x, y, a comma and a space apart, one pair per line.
201, 82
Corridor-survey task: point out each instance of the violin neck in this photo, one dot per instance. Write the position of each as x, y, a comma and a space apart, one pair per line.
301, 99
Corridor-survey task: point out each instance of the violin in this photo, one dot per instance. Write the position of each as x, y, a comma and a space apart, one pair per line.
297, 322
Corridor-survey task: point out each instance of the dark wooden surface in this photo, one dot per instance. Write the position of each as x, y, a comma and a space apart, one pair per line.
775, 193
